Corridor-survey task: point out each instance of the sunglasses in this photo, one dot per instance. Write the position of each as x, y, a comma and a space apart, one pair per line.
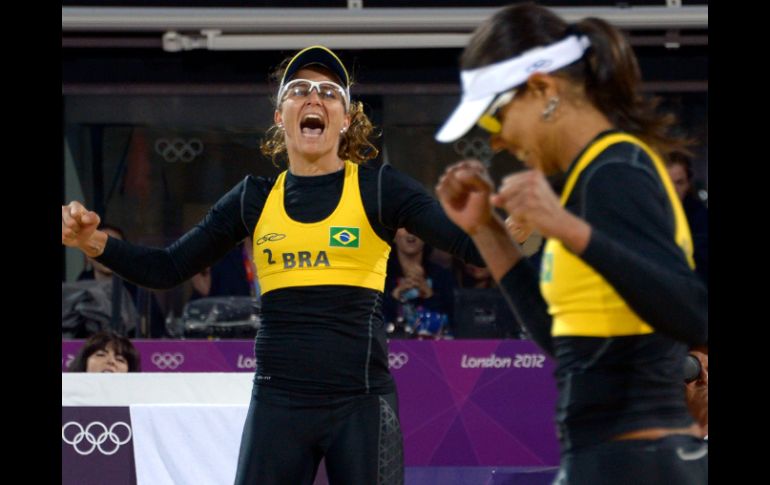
489, 121
327, 91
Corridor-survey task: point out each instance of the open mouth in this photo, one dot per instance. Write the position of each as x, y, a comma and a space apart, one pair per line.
312, 124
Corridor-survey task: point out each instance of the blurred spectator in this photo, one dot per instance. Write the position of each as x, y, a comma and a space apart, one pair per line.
106, 351
679, 167
441, 258
418, 293
471, 276
680, 170
90, 306
145, 302
233, 275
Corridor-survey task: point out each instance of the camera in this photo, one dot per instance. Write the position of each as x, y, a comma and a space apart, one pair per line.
692, 368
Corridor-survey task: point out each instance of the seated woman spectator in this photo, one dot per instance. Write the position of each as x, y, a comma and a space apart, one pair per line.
106, 352
418, 293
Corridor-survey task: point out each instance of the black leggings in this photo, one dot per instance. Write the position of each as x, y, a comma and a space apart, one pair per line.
284, 440
677, 459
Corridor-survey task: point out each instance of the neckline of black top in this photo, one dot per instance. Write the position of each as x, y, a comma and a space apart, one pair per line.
315, 179
598, 137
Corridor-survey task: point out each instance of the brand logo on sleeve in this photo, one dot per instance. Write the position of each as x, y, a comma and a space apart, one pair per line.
346, 237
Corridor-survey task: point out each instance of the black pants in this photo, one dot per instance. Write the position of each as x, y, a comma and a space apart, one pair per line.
285, 438
680, 460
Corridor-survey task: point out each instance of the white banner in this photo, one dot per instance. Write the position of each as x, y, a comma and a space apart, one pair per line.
186, 444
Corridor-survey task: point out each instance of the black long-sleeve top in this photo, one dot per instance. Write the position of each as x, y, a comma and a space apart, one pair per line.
316, 339
608, 386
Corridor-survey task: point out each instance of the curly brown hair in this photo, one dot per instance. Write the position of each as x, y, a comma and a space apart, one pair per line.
355, 144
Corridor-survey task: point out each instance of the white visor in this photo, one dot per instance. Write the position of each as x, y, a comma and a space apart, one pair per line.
481, 85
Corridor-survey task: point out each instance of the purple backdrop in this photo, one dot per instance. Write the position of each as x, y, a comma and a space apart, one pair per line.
475, 403
467, 403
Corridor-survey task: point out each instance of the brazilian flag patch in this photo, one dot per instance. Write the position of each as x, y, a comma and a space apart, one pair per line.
346, 237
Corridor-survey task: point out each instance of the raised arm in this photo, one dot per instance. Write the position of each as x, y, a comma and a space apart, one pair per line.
162, 268
464, 192
405, 203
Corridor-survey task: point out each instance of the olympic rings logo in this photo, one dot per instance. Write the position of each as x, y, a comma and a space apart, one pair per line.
477, 148
96, 440
178, 149
397, 360
167, 360
270, 237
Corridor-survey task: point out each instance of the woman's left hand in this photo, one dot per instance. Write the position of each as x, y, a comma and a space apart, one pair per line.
530, 201
520, 232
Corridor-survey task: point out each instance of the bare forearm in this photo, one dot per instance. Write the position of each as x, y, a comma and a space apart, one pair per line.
574, 233
496, 247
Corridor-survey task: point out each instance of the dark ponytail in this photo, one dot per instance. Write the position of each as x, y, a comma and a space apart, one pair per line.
609, 71
612, 81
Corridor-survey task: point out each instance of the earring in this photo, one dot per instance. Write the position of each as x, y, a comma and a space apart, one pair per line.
279, 125
550, 108
343, 130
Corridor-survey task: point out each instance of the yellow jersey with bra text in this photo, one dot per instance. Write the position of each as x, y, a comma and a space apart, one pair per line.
341, 249
581, 302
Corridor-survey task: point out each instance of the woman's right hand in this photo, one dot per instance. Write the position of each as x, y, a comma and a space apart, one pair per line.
78, 226
463, 192
518, 230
